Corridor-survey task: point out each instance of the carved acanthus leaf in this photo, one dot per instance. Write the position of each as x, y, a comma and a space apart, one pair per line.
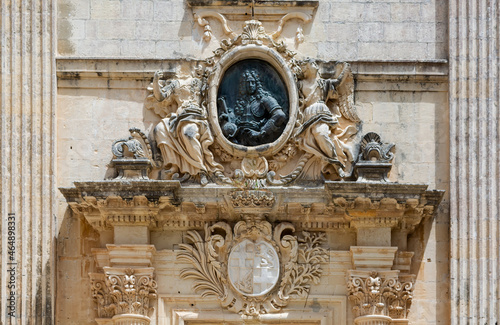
379, 294
207, 271
124, 291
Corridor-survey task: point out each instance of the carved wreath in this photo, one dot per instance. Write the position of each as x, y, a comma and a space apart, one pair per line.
300, 259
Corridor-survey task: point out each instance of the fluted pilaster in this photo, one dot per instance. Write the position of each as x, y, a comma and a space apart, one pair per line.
474, 156
27, 160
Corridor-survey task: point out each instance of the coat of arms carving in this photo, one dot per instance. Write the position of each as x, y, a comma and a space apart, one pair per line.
253, 268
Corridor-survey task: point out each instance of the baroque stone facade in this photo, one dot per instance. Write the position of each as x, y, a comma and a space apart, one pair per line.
214, 162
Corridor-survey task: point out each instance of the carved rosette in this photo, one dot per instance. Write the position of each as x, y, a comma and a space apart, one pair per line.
124, 294
380, 297
253, 268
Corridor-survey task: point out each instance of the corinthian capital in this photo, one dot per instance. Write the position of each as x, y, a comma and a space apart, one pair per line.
124, 293
384, 295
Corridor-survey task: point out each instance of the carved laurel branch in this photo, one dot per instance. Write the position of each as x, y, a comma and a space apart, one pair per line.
304, 267
375, 295
301, 260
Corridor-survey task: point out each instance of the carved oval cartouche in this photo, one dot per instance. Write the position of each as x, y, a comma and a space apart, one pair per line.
252, 103
253, 267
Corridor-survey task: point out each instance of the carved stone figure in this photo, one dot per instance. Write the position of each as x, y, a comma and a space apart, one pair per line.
320, 133
184, 137
256, 118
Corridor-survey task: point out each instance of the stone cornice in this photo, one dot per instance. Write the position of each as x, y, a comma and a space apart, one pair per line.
132, 73
337, 205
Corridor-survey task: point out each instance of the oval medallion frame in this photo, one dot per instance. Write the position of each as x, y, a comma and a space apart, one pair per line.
271, 56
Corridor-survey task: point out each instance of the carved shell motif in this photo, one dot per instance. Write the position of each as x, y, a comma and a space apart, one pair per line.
253, 33
253, 269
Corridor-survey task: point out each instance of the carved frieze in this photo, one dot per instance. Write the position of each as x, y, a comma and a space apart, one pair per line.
253, 268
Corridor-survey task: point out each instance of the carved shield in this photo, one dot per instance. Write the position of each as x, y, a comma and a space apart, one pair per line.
253, 267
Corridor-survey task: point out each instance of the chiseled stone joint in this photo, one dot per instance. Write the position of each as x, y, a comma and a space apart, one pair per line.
124, 296
380, 298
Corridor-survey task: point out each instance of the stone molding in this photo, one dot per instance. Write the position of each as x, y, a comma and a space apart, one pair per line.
130, 73
159, 204
330, 311
136, 74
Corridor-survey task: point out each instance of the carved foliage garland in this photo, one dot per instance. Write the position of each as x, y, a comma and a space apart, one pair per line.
375, 294
253, 269
124, 291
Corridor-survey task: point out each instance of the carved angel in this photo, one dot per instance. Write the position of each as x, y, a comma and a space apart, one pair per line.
320, 133
183, 136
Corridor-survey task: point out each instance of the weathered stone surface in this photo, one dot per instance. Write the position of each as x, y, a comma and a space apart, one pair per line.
105, 54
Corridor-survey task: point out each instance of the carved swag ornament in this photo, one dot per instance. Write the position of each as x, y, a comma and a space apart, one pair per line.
253, 268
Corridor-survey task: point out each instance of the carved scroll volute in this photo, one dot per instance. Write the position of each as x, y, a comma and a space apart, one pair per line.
217, 243
288, 243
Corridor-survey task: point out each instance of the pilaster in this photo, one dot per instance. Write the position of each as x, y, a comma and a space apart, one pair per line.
474, 160
27, 124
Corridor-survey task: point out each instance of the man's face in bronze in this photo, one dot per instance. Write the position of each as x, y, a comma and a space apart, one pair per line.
251, 85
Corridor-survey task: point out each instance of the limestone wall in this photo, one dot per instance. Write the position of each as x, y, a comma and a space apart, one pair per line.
107, 52
342, 30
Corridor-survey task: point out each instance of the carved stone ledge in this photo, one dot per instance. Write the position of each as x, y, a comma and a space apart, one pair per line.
373, 258
402, 262
239, 10
125, 255
389, 207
